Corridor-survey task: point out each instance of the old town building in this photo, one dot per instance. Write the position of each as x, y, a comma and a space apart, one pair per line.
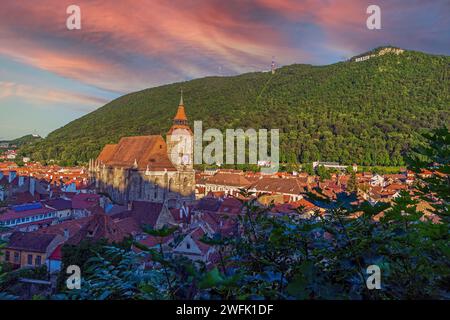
147, 168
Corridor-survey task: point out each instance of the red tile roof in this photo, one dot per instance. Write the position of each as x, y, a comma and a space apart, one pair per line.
228, 179
107, 153
85, 200
30, 241
280, 185
56, 254
98, 226
142, 213
145, 151
151, 241
230, 205
71, 226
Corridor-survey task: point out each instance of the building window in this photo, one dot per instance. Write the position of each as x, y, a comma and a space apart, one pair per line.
16, 257
188, 245
7, 255
30, 259
38, 260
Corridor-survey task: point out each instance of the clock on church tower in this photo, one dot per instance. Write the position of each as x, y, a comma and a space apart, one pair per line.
180, 144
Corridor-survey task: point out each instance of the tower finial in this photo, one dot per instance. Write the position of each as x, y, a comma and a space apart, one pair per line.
181, 98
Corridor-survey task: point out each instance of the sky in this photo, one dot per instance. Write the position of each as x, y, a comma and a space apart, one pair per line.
50, 75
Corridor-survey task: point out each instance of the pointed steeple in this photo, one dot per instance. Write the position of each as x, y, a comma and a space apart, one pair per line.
181, 98
180, 117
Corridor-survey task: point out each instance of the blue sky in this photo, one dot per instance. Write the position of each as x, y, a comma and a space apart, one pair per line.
50, 76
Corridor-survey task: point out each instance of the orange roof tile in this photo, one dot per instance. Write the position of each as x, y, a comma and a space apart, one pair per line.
181, 114
107, 153
146, 151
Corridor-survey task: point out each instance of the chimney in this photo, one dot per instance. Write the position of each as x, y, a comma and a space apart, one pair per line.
12, 176
32, 186
21, 180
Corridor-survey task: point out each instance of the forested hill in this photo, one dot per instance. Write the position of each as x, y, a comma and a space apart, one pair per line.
367, 112
25, 140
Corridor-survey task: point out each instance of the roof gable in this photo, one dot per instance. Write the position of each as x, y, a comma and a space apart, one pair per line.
30, 241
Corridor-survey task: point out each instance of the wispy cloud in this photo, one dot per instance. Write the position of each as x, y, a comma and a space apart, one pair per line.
51, 96
149, 42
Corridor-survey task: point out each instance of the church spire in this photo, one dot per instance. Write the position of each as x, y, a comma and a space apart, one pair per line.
180, 117
181, 98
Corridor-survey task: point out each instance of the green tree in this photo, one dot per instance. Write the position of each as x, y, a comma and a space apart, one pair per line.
308, 168
352, 183
323, 173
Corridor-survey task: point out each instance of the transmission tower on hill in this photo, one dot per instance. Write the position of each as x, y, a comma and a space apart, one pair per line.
273, 66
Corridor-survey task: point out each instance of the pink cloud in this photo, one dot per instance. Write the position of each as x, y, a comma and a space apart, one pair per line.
33, 94
149, 42
176, 34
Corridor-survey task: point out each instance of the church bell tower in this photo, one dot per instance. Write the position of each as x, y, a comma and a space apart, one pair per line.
180, 140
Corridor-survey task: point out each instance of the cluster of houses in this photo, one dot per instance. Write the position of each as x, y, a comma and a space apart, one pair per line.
44, 208
9, 154
34, 182
297, 186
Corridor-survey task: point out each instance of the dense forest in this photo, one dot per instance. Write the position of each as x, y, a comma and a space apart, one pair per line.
25, 140
370, 112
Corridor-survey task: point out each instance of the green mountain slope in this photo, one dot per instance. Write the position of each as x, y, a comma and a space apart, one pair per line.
367, 112
25, 140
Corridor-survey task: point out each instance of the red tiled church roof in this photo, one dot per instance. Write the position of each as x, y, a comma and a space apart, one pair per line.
144, 151
107, 153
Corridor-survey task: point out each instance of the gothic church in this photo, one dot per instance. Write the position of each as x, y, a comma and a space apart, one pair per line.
147, 168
